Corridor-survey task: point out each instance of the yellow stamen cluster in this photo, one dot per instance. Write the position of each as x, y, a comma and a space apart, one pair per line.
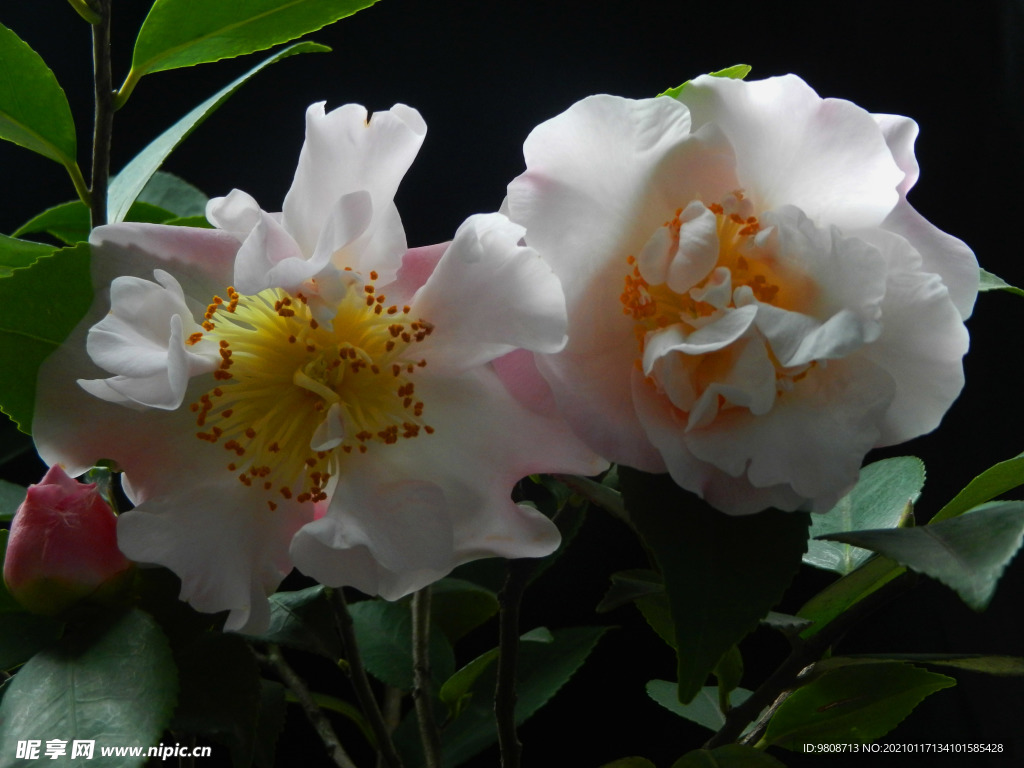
284, 374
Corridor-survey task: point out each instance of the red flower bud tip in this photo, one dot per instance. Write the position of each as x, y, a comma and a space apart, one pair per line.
63, 546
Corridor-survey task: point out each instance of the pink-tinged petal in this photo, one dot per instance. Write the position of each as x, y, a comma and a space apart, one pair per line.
900, 133
518, 372
940, 253
418, 264
826, 156
488, 296
346, 150
229, 552
201, 260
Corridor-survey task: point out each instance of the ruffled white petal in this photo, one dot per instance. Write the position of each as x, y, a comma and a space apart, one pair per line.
824, 156
489, 295
346, 150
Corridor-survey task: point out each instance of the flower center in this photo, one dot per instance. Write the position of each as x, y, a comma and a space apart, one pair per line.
295, 395
707, 261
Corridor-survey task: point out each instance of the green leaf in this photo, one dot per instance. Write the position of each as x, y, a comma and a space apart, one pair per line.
126, 186
727, 756
458, 606
11, 496
17, 254
69, 222
177, 34
34, 111
543, 669
112, 681
967, 553
990, 282
456, 689
879, 499
304, 620
852, 704
23, 635
174, 194
994, 481
729, 672
628, 586
630, 762
221, 695
703, 710
39, 307
722, 574
999, 666
384, 634
735, 72
833, 601
785, 623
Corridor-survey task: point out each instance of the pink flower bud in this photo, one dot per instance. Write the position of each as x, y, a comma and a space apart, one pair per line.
63, 546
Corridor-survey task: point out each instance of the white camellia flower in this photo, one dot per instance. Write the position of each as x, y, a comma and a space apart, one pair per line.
753, 303
300, 389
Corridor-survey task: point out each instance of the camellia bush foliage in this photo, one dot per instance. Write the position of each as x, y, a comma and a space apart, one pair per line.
318, 463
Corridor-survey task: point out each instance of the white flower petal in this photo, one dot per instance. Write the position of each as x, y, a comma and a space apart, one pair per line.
825, 156
488, 296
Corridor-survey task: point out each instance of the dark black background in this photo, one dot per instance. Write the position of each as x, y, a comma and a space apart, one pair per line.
483, 74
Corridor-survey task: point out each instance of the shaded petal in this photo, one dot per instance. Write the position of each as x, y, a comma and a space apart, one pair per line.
229, 553
941, 253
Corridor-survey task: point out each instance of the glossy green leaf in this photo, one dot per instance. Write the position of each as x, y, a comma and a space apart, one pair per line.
990, 282
174, 194
69, 222
994, 481
457, 688
39, 307
852, 704
727, 756
176, 34
722, 573
967, 553
220, 695
703, 710
837, 597
628, 586
34, 111
735, 72
879, 499
384, 634
133, 178
785, 623
998, 666
18, 254
112, 681
543, 669
304, 620
459, 606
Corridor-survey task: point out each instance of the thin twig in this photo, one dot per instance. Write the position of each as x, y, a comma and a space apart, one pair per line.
104, 113
517, 575
422, 692
360, 681
787, 675
314, 714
